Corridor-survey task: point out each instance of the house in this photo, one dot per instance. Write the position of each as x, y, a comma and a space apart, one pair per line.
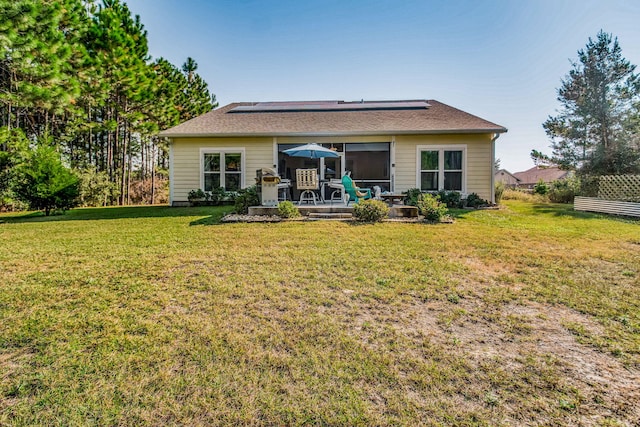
548, 174
396, 145
506, 177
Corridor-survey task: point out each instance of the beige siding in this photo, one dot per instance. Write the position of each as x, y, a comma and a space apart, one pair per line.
186, 160
479, 162
186, 166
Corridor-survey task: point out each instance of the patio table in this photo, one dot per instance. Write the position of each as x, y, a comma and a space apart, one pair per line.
390, 198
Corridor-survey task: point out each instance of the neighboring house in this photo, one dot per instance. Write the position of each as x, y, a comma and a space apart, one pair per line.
396, 145
548, 174
506, 178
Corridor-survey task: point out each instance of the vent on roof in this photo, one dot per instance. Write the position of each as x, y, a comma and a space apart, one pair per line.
269, 107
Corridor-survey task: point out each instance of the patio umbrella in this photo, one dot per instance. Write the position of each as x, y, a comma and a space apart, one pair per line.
312, 151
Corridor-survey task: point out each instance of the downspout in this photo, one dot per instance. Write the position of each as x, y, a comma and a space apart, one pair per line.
493, 162
171, 167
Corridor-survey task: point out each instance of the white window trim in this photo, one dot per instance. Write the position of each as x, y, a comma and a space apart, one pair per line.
223, 150
442, 149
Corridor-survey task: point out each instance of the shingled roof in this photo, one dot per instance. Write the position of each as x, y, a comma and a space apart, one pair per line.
317, 118
545, 173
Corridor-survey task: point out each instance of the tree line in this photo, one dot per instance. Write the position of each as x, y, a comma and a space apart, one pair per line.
76, 76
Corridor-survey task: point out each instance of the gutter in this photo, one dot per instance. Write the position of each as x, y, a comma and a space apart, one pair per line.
493, 162
496, 131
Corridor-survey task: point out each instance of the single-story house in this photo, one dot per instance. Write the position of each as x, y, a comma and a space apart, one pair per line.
548, 174
507, 178
396, 145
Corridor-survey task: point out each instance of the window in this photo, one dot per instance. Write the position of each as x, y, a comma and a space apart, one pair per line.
222, 168
441, 168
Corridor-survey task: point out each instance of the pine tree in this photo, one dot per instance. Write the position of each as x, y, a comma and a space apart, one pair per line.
197, 98
44, 182
38, 85
594, 131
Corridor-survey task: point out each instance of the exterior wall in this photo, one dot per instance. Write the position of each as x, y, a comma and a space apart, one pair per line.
479, 162
506, 178
261, 152
186, 161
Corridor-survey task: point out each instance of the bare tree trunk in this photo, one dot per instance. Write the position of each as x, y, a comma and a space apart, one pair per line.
153, 172
129, 168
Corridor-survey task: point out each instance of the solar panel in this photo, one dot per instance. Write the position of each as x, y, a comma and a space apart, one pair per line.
268, 107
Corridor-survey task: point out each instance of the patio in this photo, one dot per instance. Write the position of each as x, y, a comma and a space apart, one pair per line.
335, 209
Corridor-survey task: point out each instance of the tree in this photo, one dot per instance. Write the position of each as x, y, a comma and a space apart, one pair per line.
595, 131
44, 182
13, 145
540, 159
197, 98
78, 72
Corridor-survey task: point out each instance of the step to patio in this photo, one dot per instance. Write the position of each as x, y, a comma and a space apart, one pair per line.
330, 215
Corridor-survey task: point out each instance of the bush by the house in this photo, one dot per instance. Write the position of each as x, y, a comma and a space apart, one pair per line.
208, 198
541, 188
245, 198
499, 191
370, 211
475, 201
412, 195
287, 209
450, 198
431, 207
563, 190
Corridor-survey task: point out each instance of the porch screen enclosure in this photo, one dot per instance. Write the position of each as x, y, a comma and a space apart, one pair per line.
369, 163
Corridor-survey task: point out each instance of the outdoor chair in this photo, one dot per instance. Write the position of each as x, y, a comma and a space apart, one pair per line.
307, 182
355, 193
338, 190
283, 189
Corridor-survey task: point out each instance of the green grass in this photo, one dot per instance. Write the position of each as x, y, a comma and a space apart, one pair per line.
529, 315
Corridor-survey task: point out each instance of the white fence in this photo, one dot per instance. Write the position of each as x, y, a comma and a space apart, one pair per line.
592, 204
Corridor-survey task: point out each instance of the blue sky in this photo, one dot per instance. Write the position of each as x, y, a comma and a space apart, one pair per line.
500, 60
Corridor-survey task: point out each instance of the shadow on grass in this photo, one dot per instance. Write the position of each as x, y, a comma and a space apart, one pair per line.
212, 214
566, 210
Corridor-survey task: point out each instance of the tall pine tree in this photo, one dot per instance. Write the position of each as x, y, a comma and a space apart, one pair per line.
594, 131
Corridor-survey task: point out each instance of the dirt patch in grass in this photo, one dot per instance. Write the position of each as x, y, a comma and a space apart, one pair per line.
519, 349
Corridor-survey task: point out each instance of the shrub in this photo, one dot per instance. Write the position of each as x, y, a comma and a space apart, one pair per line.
499, 191
474, 201
588, 185
450, 198
412, 196
141, 190
370, 211
208, 198
516, 194
523, 195
44, 182
431, 207
287, 209
95, 188
541, 188
195, 197
563, 190
245, 198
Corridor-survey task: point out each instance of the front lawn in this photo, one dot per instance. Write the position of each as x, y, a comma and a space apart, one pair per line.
529, 315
